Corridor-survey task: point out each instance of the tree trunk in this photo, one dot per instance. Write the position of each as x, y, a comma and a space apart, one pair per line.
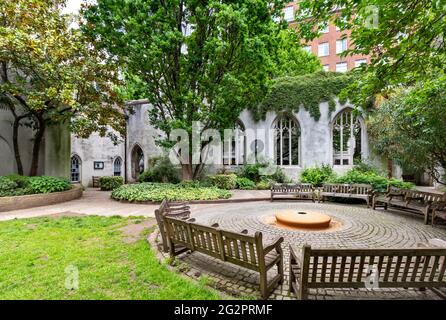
389, 168
15, 141
187, 172
36, 146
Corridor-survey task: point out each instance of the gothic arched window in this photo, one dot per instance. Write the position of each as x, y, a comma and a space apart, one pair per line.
347, 142
286, 141
117, 167
234, 153
76, 169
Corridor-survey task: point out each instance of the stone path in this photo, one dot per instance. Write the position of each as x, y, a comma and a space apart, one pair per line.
94, 202
361, 228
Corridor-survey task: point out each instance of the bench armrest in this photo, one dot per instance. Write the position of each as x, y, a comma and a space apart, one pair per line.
296, 254
268, 247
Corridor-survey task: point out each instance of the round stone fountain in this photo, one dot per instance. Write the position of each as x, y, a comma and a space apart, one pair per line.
302, 220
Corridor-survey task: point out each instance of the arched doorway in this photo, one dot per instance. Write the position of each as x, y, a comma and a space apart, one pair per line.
76, 166
138, 162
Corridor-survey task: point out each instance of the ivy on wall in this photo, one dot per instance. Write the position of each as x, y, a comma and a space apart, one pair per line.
289, 94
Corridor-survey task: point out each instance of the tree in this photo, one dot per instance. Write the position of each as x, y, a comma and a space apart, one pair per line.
410, 128
51, 73
406, 39
195, 60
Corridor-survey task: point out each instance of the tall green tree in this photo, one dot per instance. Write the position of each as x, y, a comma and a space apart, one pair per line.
196, 60
410, 128
51, 73
405, 39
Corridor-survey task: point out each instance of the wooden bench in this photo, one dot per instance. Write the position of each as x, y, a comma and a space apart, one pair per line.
439, 212
95, 181
237, 248
297, 191
179, 210
352, 268
352, 191
411, 200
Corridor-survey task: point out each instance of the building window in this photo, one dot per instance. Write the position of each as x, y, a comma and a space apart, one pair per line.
347, 142
360, 62
234, 152
75, 169
323, 49
286, 141
326, 67
288, 13
341, 45
98, 165
117, 165
341, 67
308, 49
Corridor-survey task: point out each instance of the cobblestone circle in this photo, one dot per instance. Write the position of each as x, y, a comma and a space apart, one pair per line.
361, 228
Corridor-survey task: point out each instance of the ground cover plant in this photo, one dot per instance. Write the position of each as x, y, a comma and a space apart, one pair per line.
40, 258
15, 185
156, 192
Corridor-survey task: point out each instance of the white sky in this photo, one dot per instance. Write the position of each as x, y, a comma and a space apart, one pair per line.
73, 6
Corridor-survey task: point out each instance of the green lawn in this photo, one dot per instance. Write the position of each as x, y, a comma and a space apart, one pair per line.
37, 257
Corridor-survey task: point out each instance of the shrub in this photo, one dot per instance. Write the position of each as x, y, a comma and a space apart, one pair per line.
7, 186
110, 183
378, 182
254, 173
162, 171
46, 184
224, 181
245, 184
318, 175
145, 192
263, 185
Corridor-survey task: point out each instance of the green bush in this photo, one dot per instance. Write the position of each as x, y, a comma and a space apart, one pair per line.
378, 182
254, 173
46, 184
263, 185
162, 171
110, 183
15, 185
318, 175
224, 181
157, 192
245, 184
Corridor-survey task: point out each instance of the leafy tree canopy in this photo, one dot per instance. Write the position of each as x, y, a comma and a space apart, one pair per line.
410, 127
197, 60
51, 73
406, 39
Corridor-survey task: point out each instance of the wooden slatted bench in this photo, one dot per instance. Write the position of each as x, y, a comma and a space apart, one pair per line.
237, 248
179, 210
95, 181
410, 200
352, 191
439, 212
351, 268
297, 191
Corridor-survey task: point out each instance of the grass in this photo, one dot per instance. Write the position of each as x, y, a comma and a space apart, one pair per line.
38, 256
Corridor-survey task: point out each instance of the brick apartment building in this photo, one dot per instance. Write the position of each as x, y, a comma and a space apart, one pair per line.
329, 45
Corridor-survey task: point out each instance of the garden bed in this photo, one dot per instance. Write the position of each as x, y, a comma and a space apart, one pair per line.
157, 192
38, 200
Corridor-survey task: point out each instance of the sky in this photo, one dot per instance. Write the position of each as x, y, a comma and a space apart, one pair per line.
73, 6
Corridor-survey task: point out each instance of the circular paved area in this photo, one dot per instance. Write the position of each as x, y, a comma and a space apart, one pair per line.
361, 228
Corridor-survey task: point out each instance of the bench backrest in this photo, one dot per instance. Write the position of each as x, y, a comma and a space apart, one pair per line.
427, 197
240, 249
296, 187
362, 189
392, 267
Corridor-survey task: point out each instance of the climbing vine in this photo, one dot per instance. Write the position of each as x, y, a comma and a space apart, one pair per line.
289, 94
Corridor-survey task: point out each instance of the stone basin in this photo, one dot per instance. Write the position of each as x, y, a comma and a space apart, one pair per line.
303, 220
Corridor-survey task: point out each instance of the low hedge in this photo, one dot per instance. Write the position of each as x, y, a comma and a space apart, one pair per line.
110, 183
156, 192
245, 184
15, 185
